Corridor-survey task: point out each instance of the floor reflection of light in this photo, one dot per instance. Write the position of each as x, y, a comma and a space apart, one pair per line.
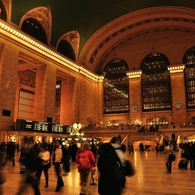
139, 169
73, 178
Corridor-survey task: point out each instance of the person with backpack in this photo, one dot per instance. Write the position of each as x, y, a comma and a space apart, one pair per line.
86, 161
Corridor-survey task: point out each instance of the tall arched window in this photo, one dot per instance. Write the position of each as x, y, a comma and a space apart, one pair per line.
65, 48
116, 87
156, 90
32, 27
189, 72
3, 14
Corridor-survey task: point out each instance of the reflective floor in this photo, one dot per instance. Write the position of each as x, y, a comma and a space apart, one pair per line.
151, 178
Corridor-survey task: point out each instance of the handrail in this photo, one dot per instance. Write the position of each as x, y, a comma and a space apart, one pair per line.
147, 134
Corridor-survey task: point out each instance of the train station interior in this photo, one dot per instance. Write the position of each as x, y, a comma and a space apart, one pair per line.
94, 69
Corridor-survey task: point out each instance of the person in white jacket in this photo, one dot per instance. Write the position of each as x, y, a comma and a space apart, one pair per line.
45, 164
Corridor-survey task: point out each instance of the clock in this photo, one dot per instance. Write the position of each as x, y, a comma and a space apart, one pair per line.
134, 108
178, 105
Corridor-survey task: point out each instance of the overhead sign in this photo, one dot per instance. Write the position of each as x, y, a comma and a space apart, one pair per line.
26, 125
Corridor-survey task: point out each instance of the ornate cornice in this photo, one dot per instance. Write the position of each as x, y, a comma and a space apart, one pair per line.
128, 23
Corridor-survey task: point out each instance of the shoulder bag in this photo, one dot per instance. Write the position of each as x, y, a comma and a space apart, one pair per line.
117, 174
128, 169
171, 157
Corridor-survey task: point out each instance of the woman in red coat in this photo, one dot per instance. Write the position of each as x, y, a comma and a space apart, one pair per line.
86, 161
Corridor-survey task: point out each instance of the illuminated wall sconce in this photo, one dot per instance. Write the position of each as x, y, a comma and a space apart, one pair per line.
134, 74
176, 69
22, 38
137, 122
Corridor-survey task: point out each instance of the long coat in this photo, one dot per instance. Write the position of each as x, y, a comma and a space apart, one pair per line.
108, 158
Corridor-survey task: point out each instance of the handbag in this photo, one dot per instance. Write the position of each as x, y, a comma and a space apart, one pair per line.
44, 162
171, 157
117, 174
128, 169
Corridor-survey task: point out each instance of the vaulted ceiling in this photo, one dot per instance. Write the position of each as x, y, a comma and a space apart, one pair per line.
106, 26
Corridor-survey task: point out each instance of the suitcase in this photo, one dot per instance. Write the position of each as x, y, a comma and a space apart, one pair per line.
182, 164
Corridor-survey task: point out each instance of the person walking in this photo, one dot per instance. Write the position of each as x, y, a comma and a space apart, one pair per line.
10, 151
60, 156
31, 162
73, 151
2, 176
169, 151
44, 156
116, 143
108, 159
86, 161
190, 154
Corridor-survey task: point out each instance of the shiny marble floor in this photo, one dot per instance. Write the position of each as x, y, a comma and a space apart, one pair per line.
151, 178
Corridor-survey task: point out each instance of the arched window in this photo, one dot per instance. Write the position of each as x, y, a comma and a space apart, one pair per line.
3, 14
156, 90
116, 87
189, 72
65, 48
32, 27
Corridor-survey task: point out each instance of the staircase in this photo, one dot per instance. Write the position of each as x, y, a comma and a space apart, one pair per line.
150, 136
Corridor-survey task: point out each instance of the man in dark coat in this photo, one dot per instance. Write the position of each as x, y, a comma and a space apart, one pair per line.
106, 160
10, 151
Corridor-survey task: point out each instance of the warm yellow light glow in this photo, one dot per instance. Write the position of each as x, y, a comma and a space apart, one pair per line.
23, 39
176, 68
77, 127
134, 74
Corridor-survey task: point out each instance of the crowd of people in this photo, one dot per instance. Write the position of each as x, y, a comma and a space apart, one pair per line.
152, 128
188, 153
37, 158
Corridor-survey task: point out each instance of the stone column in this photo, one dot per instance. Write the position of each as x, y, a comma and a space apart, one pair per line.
69, 101
178, 95
45, 89
8, 77
135, 97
